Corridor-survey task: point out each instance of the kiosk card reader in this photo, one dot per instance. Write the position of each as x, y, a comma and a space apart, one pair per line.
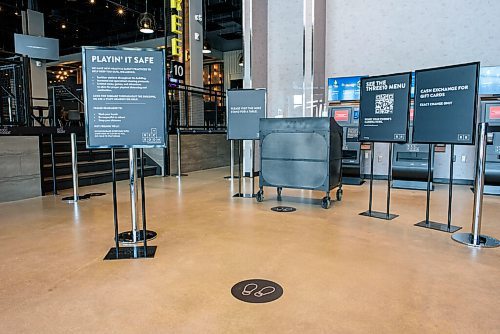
490, 113
410, 163
348, 118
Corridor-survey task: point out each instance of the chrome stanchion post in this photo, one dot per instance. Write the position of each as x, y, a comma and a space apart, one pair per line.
371, 179
74, 166
389, 180
133, 191
179, 153
232, 160
475, 239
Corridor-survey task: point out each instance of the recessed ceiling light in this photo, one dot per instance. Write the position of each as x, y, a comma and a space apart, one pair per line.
63, 26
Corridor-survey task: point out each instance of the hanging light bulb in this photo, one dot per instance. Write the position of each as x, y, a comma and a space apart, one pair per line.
146, 22
241, 60
92, 1
120, 11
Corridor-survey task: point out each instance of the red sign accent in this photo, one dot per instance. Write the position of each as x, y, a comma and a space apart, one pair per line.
341, 115
412, 111
494, 112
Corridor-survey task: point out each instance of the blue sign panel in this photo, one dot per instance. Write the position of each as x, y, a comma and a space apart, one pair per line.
124, 91
344, 89
489, 80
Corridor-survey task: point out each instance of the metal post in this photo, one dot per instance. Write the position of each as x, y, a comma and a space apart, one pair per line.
143, 203
74, 166
371, 179
240, 166
475, 239
252, 169
115, 202
389, 180
53, 161
54, 123
232, 159
450, 185
133, 191
429, 173
179, 174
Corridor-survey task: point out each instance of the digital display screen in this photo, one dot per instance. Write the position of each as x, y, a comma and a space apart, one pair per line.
341, 115
344, 88
489, 80
495, 112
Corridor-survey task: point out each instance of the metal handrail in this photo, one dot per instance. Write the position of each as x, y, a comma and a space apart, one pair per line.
69, 92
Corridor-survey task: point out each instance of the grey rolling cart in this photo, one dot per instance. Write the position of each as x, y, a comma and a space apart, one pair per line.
301, 153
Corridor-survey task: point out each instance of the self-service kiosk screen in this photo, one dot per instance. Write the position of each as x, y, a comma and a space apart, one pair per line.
445, 104
494, 113
341, 115
352, 134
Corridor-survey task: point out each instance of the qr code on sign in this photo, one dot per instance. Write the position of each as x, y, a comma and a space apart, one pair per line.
384, 103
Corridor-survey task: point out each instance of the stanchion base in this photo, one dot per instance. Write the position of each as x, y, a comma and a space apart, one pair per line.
379, 215
245, 195
126, 237
438, 226
484, 240
71, 199
177, 175
228, 177
136, 252
95, 194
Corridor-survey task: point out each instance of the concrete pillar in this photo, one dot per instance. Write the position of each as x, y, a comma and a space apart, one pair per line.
196, 104
33, 24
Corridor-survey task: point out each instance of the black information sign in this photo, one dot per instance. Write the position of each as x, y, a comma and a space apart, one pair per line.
176, 70
245, 108
384, 108
445, 104
124, 92
257, 291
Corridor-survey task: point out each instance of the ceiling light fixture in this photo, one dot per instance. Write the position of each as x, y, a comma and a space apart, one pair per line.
206, 48
63, 26
241, 60
146, 22
92, 2
121, 11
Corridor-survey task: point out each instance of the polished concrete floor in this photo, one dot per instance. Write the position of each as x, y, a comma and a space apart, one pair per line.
341, 272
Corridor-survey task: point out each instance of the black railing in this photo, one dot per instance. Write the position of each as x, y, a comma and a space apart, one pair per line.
195, 108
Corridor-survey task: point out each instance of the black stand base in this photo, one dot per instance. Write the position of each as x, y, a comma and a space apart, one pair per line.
126, 237
379, 215
245, 195
131, 253
178, 174
229, 177
484, 240
438, 226
71, 199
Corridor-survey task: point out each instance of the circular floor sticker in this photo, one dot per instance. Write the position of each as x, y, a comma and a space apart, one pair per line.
283, 209
257, 291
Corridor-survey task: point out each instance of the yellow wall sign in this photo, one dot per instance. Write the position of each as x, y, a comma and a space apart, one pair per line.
176, 26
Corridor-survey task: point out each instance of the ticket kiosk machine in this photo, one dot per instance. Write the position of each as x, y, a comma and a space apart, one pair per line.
410, 163
490, 113
347, 116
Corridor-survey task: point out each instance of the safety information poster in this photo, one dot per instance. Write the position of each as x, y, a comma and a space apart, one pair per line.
124, 92
384, 108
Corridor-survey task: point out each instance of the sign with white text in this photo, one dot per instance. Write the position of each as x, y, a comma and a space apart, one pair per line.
445, 104
245, 107
124, 92
384, 108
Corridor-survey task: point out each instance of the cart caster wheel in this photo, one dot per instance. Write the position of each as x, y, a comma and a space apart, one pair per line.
279, 190
340, 193
325, 203
260, 196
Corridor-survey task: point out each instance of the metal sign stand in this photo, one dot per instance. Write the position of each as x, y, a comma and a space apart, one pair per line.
232, 176
431, 224
475, 239
74, 165
241, 174
134, 236
377, 214
179, 173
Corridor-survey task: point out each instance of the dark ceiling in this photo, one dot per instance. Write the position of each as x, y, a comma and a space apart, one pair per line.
100, 23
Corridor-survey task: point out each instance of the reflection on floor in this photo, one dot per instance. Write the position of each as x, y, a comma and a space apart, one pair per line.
341, 272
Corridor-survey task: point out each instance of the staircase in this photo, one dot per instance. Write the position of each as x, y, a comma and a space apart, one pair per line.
94, 166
